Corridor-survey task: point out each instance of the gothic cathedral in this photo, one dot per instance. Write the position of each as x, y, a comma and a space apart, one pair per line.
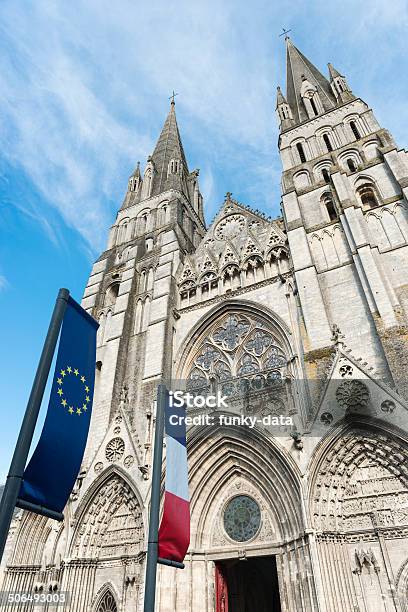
305, 315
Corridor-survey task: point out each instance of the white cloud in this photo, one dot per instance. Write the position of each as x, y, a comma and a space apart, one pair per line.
84, 90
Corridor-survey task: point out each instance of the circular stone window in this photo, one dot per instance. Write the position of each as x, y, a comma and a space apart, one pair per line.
242, 518
115, 449
229, 227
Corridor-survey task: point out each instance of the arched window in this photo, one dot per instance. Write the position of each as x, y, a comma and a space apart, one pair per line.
122, 231
150, 278
351, 165
146, 314
326, 175
164, 213
327, 142
313, 105
301, 152
330, 207
238, 349
174, 166
111, 294
368, 197
101, 330
143, 222
147, 183
138, 316
107, 325
354, 129
142, 282
107, 603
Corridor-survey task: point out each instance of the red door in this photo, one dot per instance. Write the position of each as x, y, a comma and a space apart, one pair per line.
221, 588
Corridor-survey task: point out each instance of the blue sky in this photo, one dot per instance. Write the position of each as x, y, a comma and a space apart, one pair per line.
84, 90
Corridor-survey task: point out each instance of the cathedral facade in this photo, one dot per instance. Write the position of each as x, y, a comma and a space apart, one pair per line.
303, 316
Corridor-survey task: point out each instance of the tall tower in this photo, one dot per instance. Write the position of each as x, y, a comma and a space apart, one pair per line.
130, 288
131, 291
344, 186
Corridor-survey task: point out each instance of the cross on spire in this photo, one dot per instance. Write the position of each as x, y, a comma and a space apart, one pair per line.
173, 95
285, 33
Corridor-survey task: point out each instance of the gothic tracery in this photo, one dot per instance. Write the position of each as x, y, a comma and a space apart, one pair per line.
238, 352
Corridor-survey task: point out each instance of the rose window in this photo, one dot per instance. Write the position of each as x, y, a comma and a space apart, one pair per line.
242, 518
115, 449
230, 227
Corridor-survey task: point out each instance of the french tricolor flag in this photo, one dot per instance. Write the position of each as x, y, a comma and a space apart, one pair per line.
174, 532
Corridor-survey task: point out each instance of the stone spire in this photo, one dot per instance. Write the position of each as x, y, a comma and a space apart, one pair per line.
334, 74
280, 98
135, 183
339, 85
283, 111
304, 82
168, 159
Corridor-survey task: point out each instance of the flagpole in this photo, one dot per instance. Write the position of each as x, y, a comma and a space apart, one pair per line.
152, 545
18, 462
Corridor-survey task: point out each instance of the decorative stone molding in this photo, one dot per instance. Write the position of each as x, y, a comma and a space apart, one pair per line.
365, 558
362, 484
352, 395
114, 449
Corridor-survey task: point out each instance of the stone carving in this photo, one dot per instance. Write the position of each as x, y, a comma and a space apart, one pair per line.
124, 397
362, 480
112, 526
346, 370
335, 332
326, 418
352, 395
366, 558
388, 406
274, 239
116, 431
98, 467
115, 449
230, 227
297, 440
129, 461
77, 487
218, 538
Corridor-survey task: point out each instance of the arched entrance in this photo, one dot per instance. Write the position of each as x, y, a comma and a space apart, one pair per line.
107, 546
246, 527
247, 586
359, 509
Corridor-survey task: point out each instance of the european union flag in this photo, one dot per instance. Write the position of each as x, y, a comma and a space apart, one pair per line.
51, 473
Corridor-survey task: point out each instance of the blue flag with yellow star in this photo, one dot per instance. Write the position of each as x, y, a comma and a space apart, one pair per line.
53, 468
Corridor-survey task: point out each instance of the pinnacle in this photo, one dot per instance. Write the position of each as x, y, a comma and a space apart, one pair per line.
333, 72
298, 69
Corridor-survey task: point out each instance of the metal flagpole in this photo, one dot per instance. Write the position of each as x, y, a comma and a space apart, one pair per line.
18, 463
152, 545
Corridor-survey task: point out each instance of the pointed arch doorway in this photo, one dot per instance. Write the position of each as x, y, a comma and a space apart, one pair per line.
249, 585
